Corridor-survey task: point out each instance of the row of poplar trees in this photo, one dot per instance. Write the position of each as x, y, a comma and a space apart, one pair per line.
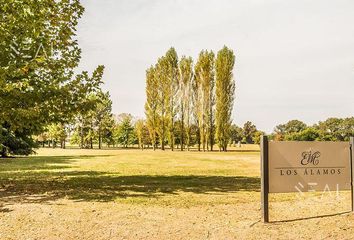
197, 94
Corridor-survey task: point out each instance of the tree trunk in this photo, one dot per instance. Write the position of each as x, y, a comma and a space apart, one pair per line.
99, 139
182, 127
3, 152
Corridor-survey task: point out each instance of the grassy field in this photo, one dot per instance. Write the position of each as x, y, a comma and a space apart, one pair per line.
134, 194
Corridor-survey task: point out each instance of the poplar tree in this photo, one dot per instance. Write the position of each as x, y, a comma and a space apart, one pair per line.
172, 93
139, 131
163, 98
225, 90
186, 77
204, 72
152, 104
196, 103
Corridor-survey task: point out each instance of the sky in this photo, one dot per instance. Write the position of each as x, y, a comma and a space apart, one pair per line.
294, 58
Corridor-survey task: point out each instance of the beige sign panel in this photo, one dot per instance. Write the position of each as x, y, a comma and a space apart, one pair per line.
309, 166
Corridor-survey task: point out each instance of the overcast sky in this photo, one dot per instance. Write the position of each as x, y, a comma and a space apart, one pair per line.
294, 58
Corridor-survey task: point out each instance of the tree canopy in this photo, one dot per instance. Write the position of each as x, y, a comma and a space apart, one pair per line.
38, 57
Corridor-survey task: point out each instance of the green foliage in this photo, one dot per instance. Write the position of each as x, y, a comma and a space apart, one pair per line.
15, 142
332, 129
205, 83
152, 104
139, 131
57, 133
176, 94
249, 132
124, 133
339, 129
225, 90
173, 90
257, 137
236, 133
309, 134
94, 122
38, 55
289, 128
186, 78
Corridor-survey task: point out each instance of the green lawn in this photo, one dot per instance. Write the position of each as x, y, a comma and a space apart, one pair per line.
132, 176
134, 194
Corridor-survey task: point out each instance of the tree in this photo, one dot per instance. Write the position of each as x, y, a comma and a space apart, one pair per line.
172, 96
197, 110
103, 118
236, 133
152, 104
186, 77
93, 118
139, 131
257, 137
332, 128
249, 132
163, 98
308, 134
348, 128
15, 142
204, 76
125, 130
38, 85
57, 133
289, 128
225, 90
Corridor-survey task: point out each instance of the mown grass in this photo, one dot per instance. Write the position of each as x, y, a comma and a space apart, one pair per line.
133, 176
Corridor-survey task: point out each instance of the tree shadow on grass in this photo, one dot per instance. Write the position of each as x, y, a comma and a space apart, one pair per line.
102, 186
41, 163
44, 179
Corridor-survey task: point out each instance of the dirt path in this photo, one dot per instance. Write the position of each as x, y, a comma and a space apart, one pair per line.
66, 219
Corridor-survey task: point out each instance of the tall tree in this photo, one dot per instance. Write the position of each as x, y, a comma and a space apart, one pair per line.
186, 76
225, 91
205, 76
139, 131
197, 109
173, 90
152, 104
163, 98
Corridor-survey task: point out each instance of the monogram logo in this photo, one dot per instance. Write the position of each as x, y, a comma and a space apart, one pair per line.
310, 158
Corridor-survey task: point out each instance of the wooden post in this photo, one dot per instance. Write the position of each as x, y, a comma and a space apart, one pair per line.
264, 179
352, 170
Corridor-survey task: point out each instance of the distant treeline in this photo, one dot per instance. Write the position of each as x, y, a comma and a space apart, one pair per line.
125, 131
332, 129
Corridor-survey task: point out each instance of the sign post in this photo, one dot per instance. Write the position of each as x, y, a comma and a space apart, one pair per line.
300, 166
352, 169
264, 178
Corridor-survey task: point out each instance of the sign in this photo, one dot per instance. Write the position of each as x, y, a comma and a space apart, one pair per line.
309, 166
304, 167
